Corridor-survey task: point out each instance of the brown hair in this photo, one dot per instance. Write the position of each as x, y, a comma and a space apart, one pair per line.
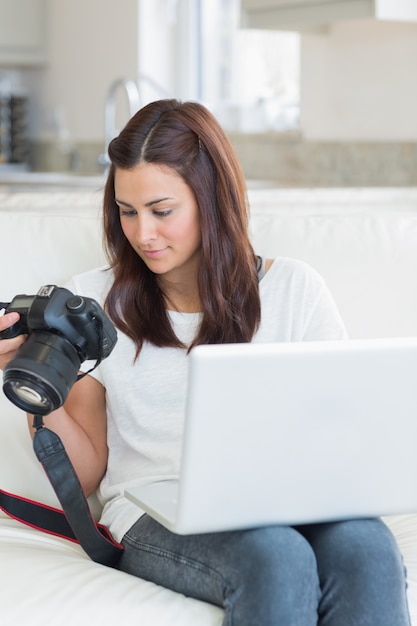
187, 138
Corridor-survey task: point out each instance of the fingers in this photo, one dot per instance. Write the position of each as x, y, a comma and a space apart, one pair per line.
8, 347
8, 319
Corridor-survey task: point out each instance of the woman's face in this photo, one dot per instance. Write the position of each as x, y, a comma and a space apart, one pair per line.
160, 218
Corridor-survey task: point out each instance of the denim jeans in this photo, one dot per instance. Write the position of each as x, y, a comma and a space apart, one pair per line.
334, 574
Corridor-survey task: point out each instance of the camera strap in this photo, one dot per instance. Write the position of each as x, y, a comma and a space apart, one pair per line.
75, 522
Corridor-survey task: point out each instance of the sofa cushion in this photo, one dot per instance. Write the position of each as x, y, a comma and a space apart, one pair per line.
55, 583
404, 529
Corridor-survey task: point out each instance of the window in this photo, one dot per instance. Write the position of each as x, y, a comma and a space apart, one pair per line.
249, 78
196, 49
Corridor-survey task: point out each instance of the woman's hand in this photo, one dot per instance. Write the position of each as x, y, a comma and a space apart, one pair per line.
9, 347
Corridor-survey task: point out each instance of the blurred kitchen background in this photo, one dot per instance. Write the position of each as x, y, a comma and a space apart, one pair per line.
311, 92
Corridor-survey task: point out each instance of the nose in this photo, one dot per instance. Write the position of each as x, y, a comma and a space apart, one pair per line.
145, 229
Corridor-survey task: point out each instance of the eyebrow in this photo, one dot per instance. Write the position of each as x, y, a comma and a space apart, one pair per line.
147, 204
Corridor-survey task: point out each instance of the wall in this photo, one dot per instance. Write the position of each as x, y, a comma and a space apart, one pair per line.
359, 82
90, 44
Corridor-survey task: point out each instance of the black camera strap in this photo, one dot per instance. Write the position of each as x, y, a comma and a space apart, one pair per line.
75, 522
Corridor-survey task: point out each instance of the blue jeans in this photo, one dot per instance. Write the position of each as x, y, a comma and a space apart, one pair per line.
335, 574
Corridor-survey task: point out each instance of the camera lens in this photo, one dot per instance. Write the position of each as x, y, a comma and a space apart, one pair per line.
43, 371
28, 393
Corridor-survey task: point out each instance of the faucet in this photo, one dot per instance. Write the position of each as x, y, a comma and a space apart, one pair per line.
110, 131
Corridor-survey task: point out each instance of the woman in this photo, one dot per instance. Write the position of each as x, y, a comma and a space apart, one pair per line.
183, 272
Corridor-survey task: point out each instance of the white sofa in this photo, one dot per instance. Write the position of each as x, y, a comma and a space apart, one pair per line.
364, 242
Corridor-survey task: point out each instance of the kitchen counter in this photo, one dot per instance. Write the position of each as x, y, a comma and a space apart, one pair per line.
27, 182
48, 181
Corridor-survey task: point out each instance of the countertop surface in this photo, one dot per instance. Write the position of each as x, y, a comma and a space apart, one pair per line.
27, 182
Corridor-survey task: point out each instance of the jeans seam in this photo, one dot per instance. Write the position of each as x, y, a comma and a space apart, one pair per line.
202, 567
228, 592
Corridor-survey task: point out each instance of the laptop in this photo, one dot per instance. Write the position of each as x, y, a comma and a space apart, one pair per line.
293, 433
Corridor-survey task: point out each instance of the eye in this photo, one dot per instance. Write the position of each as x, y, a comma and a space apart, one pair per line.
164, 213
127, 212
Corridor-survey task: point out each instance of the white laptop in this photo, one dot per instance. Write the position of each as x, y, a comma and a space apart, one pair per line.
293, 433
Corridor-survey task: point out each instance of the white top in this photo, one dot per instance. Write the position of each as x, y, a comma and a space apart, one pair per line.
146, 399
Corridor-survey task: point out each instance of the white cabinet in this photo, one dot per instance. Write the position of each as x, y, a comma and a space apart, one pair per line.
303, 14
22, 32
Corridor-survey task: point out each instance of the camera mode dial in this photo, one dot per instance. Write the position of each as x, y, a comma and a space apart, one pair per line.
76, 304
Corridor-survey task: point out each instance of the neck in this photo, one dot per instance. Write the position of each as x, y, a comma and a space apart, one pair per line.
182, 297
183, 305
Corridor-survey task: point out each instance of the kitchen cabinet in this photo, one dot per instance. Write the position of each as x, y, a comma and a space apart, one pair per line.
22, 32
306, 14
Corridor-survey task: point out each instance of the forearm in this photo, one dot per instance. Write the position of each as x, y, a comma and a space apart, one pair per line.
81, 425
88, 461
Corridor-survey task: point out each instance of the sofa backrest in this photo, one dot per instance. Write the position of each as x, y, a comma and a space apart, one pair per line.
363, 242
364, 246
44, 240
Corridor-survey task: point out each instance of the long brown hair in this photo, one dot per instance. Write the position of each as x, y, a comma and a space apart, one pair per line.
187, 138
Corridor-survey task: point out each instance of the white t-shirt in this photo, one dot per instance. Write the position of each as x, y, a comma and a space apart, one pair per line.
146, 398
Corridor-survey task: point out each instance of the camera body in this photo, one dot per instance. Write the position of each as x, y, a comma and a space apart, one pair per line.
63, 331
57, 310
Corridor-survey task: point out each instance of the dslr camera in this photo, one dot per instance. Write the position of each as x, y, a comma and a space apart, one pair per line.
64, 330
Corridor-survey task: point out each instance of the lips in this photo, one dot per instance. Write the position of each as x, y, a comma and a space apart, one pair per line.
153, 254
